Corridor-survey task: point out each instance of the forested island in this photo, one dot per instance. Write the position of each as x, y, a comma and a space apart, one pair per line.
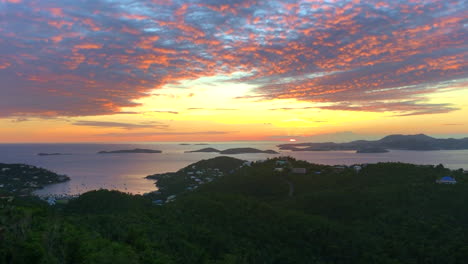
232, 151
365, 213
22, 179
397, 142
136, 150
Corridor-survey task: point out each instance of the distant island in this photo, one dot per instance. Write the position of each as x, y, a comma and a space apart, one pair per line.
396, 142
52, 154
204, 150
23, 179
184, 144
234, 151
137, 150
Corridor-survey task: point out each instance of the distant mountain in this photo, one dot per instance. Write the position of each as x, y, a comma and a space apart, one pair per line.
400, 142
137, 150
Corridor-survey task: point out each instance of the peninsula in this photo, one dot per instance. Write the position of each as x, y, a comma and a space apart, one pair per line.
137, 150
22, 179
396, 142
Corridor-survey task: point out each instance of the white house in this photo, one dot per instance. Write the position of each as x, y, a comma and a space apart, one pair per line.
299, 170
446, 180
278, 170
357, 168
171, 198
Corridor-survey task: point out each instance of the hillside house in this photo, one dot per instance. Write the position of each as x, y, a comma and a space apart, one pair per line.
446, 180
299, 170
278, 170
281, 162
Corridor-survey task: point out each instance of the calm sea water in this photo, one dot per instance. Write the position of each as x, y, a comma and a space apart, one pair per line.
125, 172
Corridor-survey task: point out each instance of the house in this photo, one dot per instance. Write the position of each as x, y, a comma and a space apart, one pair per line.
446, 180
158, 202
51, 200
278, 170
357, 168
281, 162
247, 163
171, 198
299, 170
339, 168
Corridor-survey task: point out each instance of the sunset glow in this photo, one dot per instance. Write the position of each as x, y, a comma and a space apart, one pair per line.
114, 71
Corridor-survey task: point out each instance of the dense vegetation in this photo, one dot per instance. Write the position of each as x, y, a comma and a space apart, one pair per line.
385, 213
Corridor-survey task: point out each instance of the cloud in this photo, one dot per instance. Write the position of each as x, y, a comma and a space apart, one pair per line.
211, 109
83, 58
291, 108
167, 112
149, 134
20, 120
119, 125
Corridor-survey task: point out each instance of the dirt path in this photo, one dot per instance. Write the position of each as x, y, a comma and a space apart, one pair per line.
291, 188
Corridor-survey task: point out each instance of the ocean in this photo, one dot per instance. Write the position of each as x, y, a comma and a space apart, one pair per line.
125, 172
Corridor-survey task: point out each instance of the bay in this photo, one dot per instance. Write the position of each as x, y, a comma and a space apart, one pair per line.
126, 171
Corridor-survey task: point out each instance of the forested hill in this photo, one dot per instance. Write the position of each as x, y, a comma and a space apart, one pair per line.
402, 142
376, 213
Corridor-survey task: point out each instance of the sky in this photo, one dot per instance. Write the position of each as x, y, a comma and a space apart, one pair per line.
221, 70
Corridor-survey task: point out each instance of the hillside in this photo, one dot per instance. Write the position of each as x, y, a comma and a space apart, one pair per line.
376, 213
400, 142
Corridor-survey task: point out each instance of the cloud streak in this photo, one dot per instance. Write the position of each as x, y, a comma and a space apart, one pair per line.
82, 58
118, 124
149, 134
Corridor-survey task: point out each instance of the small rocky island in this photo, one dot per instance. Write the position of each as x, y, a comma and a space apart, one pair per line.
137, 150
22, 179
234, 151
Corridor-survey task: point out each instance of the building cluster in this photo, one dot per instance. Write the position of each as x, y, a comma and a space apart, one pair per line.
285, 165
197, 177
23, 179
